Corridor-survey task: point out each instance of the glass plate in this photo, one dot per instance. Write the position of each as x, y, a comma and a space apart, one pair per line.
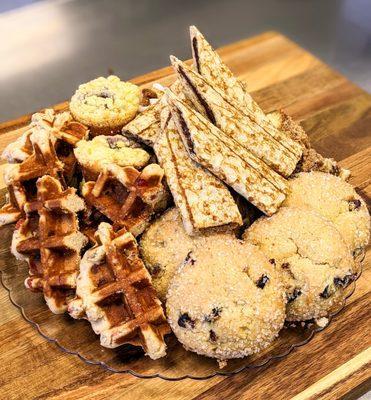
76, 336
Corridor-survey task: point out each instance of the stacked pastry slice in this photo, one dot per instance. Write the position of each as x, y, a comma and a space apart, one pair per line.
146, 126
273, 147
203, 200
208, 64
259, 151
231, 162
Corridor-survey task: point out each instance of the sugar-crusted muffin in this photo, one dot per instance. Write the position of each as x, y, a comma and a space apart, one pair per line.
102, 150
336, 200
105, 104
165, 244
311, 256
226, 299
163, 247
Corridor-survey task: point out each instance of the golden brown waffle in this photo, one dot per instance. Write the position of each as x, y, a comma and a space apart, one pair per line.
21, 178
64, 134
127, 197
89, 220
45, 148
49, 240
114, 289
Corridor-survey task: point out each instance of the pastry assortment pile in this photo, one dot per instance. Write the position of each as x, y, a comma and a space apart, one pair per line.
184, 209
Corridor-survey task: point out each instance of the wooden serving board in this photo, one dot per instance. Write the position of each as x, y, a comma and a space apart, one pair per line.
336, 363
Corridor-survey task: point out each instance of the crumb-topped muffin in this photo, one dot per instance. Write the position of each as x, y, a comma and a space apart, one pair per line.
102, 150
105, 104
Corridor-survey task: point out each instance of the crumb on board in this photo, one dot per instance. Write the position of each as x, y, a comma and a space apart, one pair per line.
222, 363
322, 322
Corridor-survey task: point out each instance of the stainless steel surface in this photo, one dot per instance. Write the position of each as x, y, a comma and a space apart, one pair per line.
49, 47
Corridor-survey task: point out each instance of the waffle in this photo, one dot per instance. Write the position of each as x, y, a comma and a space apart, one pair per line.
127, 197
45, 148
115, 292
89, 220
48, 238
64, 134
8, 213
21, 178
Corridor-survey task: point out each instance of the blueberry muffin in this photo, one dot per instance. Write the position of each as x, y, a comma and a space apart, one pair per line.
102, 150
311, 256
105, 105
226, 300
337, 201
165, 244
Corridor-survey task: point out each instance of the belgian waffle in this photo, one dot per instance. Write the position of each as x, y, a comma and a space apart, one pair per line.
64, 134
114, 290
127, 197
48, 238
21, 178
45, 148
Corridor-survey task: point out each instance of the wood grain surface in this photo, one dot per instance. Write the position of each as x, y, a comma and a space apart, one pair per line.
336, 363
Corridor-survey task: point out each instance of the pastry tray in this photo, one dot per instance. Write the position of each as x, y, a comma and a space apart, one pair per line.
76, 337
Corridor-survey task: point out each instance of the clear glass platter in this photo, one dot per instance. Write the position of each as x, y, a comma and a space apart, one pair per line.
77, 338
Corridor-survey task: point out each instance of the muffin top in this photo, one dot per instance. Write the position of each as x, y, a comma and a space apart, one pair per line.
226, 299
310, 254
103, 150
105, 102
334, 199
